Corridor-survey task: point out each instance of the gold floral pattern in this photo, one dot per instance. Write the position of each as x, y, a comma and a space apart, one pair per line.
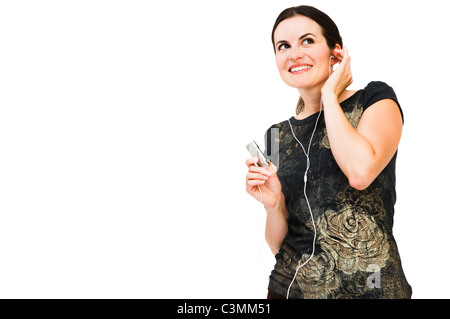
351, 242
367, 200
318, 278
353, 239
354, 115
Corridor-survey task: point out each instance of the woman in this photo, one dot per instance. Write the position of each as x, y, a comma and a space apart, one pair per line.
330, 203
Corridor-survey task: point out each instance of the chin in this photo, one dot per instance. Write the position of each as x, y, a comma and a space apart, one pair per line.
299, 85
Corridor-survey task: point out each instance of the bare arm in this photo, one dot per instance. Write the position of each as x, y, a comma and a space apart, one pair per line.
361, 153
276, 225
272, 198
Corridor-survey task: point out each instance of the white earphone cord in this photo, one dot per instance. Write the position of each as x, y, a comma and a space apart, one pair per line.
260, 193
305, 179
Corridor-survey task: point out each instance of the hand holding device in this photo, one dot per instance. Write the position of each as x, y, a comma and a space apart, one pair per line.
261, 178
254, 150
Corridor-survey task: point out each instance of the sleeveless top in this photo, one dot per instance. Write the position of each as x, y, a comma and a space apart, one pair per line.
355, 252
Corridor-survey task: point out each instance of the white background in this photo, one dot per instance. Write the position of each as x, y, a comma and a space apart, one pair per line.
123, 127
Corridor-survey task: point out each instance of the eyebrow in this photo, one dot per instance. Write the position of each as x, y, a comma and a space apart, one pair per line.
301, 38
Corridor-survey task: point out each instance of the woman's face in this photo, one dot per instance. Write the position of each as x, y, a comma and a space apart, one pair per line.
302, 53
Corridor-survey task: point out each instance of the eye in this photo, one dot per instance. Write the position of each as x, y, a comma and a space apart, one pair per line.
283, 46
308, 41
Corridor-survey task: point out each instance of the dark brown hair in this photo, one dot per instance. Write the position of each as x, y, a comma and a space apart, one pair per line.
329, 30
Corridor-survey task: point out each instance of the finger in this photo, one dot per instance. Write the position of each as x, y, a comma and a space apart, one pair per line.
345, 57
338, 54
258, 169
347, 64
272, 168
254, 176
252, 161
255, 182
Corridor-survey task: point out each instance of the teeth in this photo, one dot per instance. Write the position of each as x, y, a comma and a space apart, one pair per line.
299, 68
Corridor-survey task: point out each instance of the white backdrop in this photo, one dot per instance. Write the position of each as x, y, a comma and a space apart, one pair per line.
123, 127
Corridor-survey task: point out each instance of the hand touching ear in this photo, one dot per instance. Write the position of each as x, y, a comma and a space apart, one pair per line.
340, 79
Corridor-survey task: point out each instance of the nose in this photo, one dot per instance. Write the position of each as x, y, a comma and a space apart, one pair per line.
296, 53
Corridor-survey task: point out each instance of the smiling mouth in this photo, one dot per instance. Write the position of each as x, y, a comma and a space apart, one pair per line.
300, 68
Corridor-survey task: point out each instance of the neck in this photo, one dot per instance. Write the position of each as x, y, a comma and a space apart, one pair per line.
311, 99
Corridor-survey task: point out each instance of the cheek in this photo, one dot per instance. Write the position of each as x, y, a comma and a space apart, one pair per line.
321, 62
280, 60
324, 59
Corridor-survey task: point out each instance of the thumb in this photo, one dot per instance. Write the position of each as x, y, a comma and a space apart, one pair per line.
272, 168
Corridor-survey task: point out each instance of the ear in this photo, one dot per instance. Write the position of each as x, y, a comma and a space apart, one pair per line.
336, 55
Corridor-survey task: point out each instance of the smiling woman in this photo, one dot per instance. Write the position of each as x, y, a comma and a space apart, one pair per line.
328, 241
325, 31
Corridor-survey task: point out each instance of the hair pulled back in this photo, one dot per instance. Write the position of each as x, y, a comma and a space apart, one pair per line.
329, 30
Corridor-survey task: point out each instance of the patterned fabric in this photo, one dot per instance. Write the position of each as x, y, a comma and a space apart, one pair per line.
355, 255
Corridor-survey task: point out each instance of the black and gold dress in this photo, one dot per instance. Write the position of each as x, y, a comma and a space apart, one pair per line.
356, 255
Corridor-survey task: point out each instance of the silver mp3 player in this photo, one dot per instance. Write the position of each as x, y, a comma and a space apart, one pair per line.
254, 150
